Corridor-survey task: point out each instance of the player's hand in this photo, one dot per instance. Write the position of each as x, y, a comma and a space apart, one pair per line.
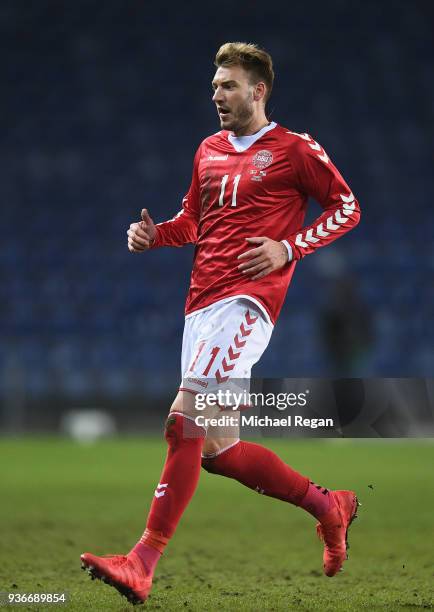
141, 235
268, 256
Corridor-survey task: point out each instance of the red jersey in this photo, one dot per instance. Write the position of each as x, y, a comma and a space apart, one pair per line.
260, 191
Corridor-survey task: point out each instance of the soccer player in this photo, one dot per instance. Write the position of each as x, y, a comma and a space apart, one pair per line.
244, 211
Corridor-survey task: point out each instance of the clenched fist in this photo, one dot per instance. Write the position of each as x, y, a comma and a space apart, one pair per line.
141, 235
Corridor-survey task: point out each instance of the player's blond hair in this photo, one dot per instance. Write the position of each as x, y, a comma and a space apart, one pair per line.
253, 59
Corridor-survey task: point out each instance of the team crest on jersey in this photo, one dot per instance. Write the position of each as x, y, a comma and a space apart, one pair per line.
262, 159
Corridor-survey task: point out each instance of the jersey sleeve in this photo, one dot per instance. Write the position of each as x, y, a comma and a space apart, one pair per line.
319, 178
182, 228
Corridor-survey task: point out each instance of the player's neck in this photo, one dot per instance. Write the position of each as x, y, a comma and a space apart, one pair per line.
253, 127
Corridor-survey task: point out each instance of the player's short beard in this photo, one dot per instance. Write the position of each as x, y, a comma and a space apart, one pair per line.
243, 114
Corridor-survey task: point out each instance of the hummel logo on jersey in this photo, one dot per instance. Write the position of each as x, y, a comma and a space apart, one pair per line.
340, 217
160, 486
218, 157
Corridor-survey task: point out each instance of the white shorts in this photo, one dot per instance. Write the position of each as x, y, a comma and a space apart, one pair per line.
221, 344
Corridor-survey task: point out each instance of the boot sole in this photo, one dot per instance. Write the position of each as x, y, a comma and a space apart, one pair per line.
356, 504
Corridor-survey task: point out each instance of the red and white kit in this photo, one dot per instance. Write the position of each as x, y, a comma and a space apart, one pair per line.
248, 186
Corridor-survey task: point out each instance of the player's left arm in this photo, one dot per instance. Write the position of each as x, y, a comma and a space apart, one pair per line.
318, 177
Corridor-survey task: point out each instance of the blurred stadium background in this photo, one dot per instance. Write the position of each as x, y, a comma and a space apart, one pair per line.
102, 108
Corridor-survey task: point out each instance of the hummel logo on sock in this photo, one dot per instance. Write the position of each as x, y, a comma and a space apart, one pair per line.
160, 486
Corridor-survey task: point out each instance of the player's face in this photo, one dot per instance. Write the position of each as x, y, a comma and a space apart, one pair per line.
233, 97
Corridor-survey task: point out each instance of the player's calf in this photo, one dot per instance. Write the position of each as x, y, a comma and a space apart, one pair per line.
263, 471
132, 574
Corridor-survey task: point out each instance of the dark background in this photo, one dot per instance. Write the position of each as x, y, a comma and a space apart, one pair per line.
103, 105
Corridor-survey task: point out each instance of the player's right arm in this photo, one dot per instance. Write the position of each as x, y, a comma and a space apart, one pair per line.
176, 232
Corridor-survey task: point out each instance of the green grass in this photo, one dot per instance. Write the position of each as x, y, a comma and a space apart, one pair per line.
234, 549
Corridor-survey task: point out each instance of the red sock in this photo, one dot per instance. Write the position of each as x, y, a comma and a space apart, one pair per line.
149, 555
260, 469
177, 484
317, 500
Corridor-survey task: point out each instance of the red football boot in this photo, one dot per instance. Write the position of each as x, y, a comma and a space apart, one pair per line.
124, 572
333, 530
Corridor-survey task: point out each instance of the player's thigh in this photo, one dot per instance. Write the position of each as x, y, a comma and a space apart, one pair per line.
221, 345
220, 438
185, 403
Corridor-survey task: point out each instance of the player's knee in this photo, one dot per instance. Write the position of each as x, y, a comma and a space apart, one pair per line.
209, 465
219, 455
184, 403
217, 465
211, 446
210, 452
173, 429
180, 429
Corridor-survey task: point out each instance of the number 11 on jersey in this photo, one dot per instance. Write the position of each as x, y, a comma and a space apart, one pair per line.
234, 192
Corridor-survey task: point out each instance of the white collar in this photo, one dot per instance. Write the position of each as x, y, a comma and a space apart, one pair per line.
241, 143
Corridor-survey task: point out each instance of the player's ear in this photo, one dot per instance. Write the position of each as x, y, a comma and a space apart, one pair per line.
259, 91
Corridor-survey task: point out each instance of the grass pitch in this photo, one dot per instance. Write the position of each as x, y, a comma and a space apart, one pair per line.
234, 549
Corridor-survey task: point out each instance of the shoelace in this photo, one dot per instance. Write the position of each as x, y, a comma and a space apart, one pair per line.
118, 559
